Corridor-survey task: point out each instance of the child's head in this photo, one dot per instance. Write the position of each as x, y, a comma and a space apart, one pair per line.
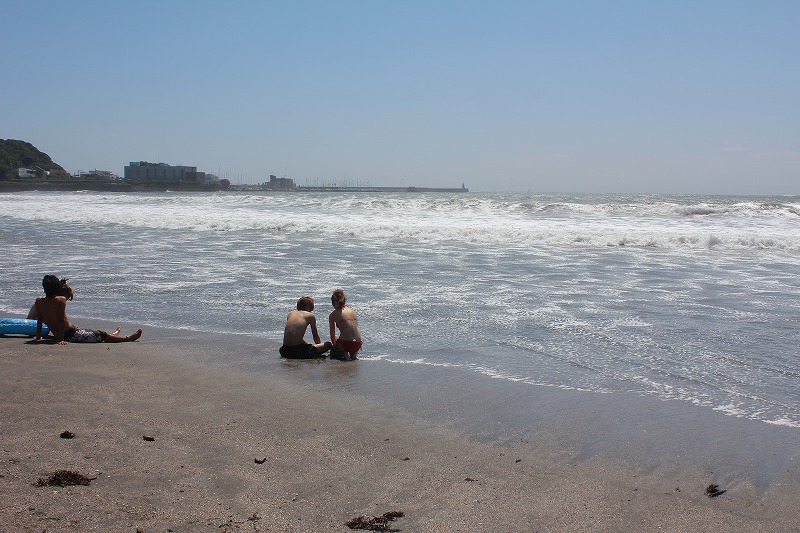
65, 290
57, 287
51, 285
306, 303
338, 299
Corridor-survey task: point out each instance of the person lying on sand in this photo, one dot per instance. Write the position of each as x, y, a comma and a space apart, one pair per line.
52, 310
294, 346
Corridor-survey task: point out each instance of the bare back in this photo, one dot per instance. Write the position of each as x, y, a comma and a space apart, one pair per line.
346, 319
296, 324
52, 311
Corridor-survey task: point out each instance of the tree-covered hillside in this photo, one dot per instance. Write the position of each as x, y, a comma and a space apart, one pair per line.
16, 154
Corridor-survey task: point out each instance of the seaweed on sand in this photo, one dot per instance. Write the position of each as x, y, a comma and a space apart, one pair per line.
62, 478
376, 523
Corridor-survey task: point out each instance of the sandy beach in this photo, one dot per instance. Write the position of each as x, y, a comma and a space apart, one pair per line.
279, 451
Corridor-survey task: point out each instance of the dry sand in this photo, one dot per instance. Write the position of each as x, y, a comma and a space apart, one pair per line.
329, 456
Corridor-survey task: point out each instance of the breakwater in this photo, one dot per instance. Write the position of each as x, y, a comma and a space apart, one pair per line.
382, 189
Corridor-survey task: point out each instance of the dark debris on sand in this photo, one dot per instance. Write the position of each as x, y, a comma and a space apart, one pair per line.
376, 523
712, 491
62, 478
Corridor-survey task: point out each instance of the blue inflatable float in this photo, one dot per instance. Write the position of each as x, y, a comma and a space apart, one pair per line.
20, 326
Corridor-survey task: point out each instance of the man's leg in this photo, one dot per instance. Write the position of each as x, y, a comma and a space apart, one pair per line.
120, 338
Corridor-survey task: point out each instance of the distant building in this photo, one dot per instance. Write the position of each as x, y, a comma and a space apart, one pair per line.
196, 177
96, 174
40, 173
279, 184
27, 172
144, 171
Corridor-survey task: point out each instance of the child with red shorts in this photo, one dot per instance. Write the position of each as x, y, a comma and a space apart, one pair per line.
348, 343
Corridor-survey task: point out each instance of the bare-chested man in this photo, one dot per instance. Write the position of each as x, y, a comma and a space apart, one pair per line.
65, 290
52, 310
294, 346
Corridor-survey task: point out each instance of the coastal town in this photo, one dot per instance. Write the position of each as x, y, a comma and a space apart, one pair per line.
24, 167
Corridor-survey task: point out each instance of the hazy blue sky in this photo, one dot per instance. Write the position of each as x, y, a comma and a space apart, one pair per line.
561, 96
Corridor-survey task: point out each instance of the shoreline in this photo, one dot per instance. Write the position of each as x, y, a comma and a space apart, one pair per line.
101, 186
12, 186
343, 440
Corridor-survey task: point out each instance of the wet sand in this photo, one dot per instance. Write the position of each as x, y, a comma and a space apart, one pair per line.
340, 440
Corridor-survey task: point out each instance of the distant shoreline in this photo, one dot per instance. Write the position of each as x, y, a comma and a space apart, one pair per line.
104, 186
119, 186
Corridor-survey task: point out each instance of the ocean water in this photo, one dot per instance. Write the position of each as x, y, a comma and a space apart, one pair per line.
680, 298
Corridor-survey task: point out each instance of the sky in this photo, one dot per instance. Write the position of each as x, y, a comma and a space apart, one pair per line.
678, 97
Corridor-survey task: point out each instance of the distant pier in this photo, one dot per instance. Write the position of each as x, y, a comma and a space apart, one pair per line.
382, 189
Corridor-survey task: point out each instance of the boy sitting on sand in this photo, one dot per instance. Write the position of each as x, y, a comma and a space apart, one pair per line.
294, 346
52, 310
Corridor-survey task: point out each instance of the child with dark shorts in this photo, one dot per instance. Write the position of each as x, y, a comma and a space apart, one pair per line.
294, 345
